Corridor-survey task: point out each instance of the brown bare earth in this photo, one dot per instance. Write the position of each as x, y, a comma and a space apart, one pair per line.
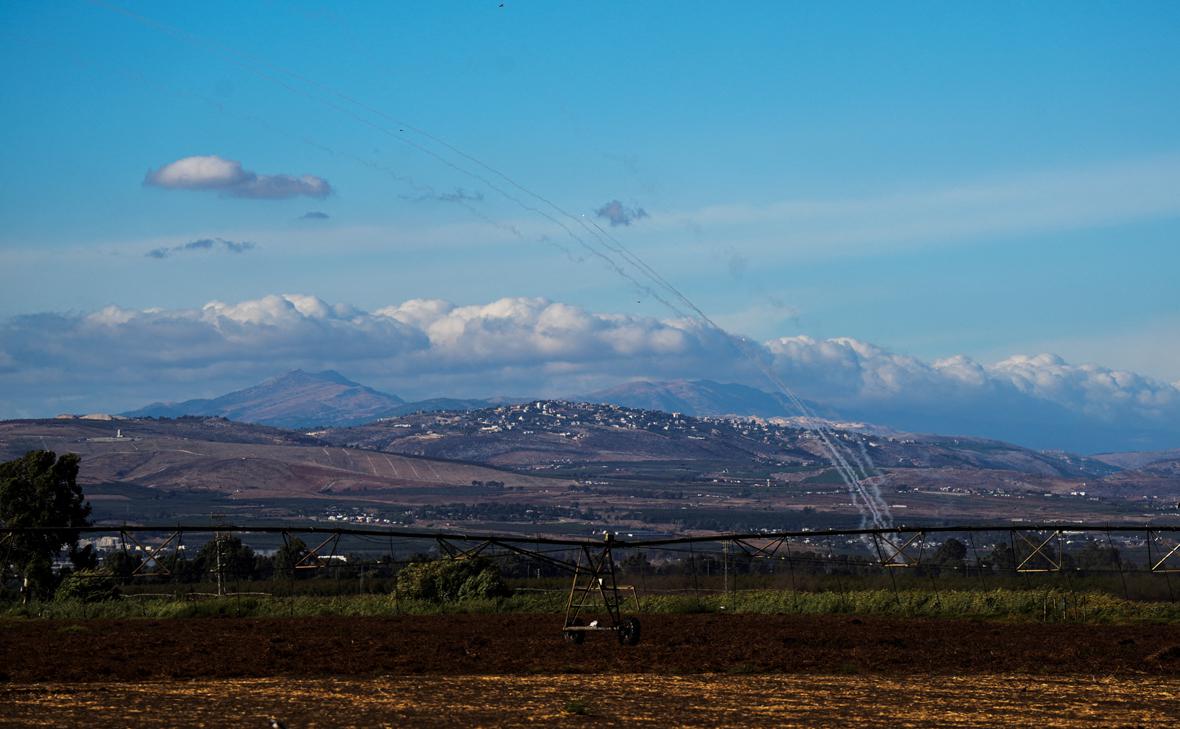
513, 670
240, 461
40, 650
616, 700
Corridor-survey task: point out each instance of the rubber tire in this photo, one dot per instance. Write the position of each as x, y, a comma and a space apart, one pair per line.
577, 637
629, 631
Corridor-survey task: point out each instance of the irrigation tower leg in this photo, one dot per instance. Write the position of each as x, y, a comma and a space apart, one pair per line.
595, 586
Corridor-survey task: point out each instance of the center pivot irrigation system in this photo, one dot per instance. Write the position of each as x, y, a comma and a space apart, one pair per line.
597, 602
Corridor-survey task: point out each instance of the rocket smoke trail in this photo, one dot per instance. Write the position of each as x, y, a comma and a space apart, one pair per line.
854, 468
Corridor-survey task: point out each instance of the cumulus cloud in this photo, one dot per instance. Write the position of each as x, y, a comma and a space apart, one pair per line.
537, 347
231, 179
1038, 400
203, 244
616, 213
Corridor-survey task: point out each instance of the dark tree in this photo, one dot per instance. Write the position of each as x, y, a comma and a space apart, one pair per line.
951, 552
446, 580
1099, 557
228, 555
1003, 558
40, 490
122, 565
289, 555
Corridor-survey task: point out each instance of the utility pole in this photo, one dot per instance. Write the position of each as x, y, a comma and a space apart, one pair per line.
725, 568
217, 549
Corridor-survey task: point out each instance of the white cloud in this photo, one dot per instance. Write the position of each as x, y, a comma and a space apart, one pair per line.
532, 346
211, 172
199, 173
532, 331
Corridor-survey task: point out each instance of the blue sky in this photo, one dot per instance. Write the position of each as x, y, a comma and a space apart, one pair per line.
935, 178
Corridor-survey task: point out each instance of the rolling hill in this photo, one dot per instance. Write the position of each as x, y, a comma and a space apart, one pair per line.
558, 466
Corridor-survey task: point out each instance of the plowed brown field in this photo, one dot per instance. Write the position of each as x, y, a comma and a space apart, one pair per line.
634, 700
495, 670
42, 650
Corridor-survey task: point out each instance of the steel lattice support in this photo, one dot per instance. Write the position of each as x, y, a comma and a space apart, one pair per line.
153, 555
1038, 549
892, 553
312, 560
766, 551
595, 586
1162, 564
456, 553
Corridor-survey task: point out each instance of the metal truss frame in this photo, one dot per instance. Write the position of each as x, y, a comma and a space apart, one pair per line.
768, 551
595, 589
1161, 565
594, 584
896, 556
458, 553
312, 560
153, 554
1038, 550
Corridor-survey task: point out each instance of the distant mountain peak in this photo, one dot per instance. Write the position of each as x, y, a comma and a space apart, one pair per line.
294, 399
299, 375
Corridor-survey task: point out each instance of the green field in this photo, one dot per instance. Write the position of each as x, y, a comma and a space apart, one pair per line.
1039, 605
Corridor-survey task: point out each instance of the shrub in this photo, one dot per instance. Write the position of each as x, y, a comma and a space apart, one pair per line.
87, 586
451, 581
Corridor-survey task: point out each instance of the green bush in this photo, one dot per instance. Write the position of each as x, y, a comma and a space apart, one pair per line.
451, 581
87, 586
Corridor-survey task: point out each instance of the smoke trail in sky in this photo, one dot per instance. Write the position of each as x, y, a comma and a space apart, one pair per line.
855, 469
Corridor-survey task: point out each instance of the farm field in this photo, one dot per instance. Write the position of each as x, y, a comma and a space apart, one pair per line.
524, 644
34, 650
604, 700
514, 670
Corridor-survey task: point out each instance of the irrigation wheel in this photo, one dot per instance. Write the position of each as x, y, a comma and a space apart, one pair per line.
629, 631
577, 637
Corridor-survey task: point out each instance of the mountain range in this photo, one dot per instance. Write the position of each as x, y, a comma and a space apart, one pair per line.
582, 465
306, 400
299, 399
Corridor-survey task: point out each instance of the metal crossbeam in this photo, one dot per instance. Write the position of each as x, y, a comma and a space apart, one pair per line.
580, 541
1039, 550
1161, 565
311, 560
567, 565
896, 556
768, 551
153, 555
456, 553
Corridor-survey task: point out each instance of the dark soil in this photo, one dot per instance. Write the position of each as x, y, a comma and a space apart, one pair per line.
97, 650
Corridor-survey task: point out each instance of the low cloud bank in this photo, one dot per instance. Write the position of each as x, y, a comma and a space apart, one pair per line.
528, 346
